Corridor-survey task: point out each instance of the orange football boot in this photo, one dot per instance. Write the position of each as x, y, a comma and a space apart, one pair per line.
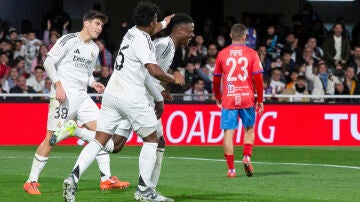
113, 183
32, 188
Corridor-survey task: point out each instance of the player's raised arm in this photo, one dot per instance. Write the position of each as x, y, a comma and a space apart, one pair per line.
163, 24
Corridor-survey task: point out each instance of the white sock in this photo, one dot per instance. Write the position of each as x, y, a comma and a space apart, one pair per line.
109, 147
156, 172
38, 165
103, 160
86, 157
85, 134
147, 160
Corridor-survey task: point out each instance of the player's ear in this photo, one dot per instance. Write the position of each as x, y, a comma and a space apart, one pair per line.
86, 23
230, 36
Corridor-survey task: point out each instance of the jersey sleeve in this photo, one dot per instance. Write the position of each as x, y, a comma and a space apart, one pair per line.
92, 66
218, 66
145, 50
61, 48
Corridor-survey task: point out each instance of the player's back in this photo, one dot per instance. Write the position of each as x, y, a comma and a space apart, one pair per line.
237, 64
164, 52
127, 80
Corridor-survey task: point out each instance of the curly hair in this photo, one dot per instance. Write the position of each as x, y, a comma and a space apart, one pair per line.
144, 13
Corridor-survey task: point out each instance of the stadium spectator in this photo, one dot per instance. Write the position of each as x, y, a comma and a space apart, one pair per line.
271, 39
292, 79
32, 48
351, 84
276, 84
212, 50
354, 60
201, 48
339, 90
40, 59
190, 74
19, 64
7, 47
299, 88
322, 80
12, 35
47, 88
104, 58
318, 52
20, 49
51, 35
4, 67
36, 80
336, 48
237, 96
22, 88
264, 59
197, 92
11, 80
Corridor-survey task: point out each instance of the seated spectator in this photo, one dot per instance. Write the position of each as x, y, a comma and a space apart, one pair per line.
104, 58
4, 67
47, 88
355, 60
323, 82
351, 84
20, 49
32, 47
276, 84
19, 64
317, 52
267, 89
264, 59
21, 87
10, 81
292, 79
7, 47
36, 81
40, 58
192, 53
339, 90
190, 75
201, 48
12, 35
308, 54
299, 88
197, 92
288, 64
212, 50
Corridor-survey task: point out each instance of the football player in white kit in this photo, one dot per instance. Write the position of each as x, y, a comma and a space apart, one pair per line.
70, 65
125, 98
181, 30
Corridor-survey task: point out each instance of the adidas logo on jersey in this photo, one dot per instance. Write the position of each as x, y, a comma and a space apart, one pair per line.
77, 51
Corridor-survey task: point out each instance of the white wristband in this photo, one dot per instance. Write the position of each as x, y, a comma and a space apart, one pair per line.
164, 24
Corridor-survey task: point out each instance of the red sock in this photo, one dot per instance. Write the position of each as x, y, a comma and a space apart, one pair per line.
247, 150
230, 161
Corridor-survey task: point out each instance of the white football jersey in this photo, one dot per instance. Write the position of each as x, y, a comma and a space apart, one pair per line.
75, 62
128, 78
164, 51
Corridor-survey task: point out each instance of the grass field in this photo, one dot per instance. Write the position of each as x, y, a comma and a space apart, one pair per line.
198, 174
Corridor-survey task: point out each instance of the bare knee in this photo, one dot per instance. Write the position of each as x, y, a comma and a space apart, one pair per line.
119, 142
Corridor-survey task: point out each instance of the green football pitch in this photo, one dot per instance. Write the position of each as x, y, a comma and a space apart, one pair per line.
197, 174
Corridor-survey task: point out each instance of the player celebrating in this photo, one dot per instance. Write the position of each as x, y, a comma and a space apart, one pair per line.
70, 65
238, 65
182, 31
125, 98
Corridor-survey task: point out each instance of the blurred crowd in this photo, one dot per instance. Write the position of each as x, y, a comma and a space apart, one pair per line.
307, 59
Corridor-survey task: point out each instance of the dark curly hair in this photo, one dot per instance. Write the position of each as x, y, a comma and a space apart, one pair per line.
144, 13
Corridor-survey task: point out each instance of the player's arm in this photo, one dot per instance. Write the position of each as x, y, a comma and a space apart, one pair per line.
159, 100
163, 24
99, 87
49, 65
158, 73
217, 81
259, 85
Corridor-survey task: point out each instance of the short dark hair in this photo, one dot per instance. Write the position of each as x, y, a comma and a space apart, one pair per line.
179, 18
39, 67
144, 13
238, 31
92, 14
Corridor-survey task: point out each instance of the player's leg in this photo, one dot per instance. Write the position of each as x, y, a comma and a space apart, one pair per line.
229, 122
57, 114
159, 155
88, 113
40, 159
248, 118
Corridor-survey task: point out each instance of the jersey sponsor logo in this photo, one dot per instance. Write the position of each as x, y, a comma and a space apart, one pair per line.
77, 51
81, 62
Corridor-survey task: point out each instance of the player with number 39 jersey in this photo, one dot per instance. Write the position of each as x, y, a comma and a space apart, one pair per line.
237, 64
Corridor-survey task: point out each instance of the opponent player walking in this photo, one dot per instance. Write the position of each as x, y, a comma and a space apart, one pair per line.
70, 65
238, 65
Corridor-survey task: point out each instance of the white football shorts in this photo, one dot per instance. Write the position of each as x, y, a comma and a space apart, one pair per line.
82, 110
115, 110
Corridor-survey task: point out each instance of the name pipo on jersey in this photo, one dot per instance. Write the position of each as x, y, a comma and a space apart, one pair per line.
237, 64
75, 62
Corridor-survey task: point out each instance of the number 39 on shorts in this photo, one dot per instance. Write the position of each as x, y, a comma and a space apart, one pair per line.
233, 63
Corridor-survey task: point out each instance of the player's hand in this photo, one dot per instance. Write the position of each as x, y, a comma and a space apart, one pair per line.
168, 18
218, 103
259, 107
99, 87
179, 78
166, 95
159, 108
60, 92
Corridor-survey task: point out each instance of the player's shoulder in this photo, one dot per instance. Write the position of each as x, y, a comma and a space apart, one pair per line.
163, 41
67, 38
